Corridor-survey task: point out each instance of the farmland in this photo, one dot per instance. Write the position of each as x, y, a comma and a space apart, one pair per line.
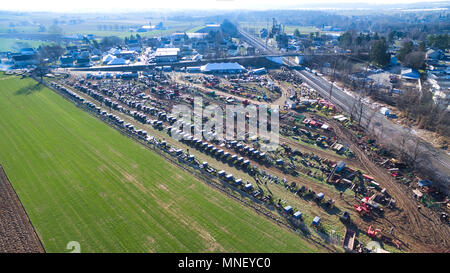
80, 180
15, 45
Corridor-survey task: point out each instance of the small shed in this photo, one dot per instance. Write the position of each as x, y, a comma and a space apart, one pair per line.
340, 166
316, 221
288, 209
297, 215
320, 195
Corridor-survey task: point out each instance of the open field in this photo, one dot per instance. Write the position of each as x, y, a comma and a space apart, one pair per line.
80, 180
99, 25
15, 45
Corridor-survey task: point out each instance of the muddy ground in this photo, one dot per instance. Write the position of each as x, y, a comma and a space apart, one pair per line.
17, 235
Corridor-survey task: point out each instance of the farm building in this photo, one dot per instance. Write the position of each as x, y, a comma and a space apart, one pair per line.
66, 61
193, 69
167, 55
257, 71
222, 68
410, 74
24, 60
118, 61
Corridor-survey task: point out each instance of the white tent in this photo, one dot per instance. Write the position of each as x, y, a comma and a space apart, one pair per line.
118, 61
222, 68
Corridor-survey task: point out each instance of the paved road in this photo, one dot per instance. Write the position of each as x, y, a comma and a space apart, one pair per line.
429, 158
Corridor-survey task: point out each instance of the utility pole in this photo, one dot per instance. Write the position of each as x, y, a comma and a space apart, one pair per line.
332, 81
359, 97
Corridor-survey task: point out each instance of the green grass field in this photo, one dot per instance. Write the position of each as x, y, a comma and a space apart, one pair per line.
15, 45
80, 180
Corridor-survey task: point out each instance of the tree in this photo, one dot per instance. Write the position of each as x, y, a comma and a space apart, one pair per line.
54, 29
51, 52
415, 59
229, 28
297, 33
392, 35
441, 41
345, 40
422, 46
378, 53
406, 48
111, 41
95, 44
41, 70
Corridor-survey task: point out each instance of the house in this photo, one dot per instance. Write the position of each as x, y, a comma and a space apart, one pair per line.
24, 60
133, 45
27, 51
83, 62
26, 57
222, 68
410, 74
66, 61
126, 54
434, 54
233, 50
250, 51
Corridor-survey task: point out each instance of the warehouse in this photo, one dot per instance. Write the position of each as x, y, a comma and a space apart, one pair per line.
167, 55
230, 68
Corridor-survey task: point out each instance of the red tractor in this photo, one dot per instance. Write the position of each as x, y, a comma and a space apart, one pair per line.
372, 232
362, 209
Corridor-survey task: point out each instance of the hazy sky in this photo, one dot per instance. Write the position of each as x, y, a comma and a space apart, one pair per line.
140, 5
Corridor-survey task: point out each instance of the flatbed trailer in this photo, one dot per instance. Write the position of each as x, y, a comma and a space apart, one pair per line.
349, 240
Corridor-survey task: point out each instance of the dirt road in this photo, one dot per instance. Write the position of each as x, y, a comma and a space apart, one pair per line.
424, 228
